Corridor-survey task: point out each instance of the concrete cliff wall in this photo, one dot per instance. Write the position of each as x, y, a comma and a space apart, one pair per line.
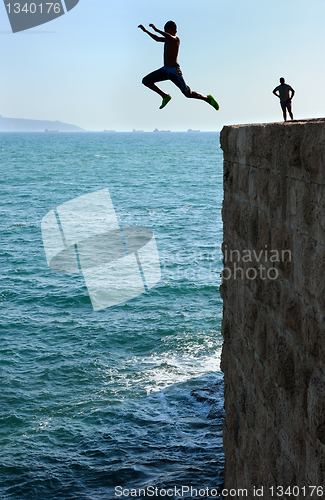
273, 356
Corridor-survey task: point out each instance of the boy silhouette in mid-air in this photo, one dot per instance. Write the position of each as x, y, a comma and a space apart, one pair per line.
171, 69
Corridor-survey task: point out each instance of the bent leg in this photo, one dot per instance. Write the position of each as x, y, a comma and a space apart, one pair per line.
156, 76
196, 95
177, 78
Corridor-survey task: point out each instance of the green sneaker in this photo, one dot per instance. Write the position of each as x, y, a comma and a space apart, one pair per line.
165, 101
213, 102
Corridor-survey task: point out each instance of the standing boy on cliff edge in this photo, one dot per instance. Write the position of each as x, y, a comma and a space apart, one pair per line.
283, 92
171, 69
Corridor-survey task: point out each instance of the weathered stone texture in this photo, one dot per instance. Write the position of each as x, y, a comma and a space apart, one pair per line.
274, 319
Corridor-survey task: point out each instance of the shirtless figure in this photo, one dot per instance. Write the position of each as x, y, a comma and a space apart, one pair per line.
171, 69
283, 92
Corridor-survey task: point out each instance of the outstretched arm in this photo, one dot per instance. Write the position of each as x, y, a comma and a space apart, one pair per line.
155, 37
165, 35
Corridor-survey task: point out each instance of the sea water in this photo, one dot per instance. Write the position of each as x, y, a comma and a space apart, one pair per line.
91, 401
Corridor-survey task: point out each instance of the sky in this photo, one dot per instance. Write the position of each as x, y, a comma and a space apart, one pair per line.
86, 67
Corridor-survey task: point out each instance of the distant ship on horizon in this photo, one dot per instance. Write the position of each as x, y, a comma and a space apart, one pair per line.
191, 130
156, 130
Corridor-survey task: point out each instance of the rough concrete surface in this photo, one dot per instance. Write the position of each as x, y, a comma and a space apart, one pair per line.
273, 355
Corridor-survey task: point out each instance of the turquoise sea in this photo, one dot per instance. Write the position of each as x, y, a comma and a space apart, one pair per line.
119, 397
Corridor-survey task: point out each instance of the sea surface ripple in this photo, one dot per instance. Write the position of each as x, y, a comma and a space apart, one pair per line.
94, 400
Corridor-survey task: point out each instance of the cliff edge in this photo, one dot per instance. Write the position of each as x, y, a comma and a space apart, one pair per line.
273, 289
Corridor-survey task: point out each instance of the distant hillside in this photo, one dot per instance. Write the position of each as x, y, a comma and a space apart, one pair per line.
22, 125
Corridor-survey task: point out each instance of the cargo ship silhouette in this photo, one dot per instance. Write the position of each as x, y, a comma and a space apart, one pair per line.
25, 15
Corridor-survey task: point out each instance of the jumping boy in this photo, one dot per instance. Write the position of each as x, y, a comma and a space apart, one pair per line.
171, 69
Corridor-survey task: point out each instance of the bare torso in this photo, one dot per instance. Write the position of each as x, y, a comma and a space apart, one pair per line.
171, 51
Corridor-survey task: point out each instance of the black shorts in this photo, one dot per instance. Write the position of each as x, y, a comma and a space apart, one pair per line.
172, 73
285, 104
